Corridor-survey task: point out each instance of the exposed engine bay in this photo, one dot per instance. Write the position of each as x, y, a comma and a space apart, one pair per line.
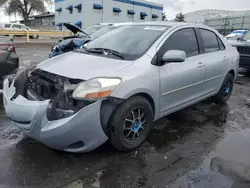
41, 85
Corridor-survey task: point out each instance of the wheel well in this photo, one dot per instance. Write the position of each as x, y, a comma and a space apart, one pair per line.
149, 98
232, 72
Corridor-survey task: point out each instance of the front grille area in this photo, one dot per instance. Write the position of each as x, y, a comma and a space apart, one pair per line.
244, 50
45, 85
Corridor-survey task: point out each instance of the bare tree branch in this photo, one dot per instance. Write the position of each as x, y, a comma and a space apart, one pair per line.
25, 7
2, 2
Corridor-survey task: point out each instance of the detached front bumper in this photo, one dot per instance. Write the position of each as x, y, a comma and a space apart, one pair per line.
80, 132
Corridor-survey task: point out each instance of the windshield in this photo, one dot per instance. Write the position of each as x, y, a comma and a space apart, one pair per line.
92, 29
247, 36
129, 40
101, 32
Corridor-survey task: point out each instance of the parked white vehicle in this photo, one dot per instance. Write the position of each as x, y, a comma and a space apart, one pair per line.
19, 27
236, 34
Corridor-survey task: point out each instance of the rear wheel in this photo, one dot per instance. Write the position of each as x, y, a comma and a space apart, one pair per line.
130, 123
225, 90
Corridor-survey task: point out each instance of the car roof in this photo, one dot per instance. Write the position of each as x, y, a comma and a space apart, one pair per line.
175, 24
13, 23
166, 23
122, 24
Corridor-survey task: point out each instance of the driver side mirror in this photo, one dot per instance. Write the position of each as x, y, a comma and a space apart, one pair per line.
176, 56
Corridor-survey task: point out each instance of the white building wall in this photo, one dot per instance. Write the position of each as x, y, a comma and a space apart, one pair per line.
90, 16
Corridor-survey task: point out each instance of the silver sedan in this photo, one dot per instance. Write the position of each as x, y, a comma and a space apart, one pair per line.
117, 85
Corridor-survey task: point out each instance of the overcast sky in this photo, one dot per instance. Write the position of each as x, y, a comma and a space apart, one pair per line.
172, 7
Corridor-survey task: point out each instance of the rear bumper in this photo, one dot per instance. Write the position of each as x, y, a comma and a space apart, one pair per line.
84, 127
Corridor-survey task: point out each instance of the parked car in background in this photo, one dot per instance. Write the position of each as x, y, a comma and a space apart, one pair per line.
9, 61
19, 27
118, 84
243, 47
81, 37
79, 33
236, 34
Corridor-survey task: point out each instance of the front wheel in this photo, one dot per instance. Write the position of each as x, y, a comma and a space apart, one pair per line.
130, 124
225, 90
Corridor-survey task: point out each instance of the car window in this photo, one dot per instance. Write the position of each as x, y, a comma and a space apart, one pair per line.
24, 27
16, 26
221, 45
184, 40
210, 41
130, 44
246, 36
92, 29
101, 32
7, 25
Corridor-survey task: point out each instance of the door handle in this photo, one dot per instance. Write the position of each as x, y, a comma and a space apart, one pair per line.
225, 58
200, 65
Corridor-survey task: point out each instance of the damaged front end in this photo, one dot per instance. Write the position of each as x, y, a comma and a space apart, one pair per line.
55, 110
40, 85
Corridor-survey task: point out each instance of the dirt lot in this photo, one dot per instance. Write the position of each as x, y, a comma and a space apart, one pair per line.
204, 146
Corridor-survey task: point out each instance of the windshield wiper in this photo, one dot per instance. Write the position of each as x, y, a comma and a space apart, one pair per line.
103, 50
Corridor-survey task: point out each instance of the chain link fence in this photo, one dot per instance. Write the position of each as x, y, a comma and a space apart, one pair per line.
228, 24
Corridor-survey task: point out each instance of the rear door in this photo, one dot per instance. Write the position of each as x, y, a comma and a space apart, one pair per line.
215, 59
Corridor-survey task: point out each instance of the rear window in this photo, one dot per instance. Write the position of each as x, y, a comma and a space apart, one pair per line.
7, 25
210, 41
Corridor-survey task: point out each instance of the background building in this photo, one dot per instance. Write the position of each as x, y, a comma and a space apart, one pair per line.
88, 12
45, 21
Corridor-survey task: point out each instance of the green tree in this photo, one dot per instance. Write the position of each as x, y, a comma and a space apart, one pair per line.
179, 17
24, 8
164, 16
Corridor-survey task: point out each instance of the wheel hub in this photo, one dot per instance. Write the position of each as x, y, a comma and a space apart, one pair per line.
227, 87
136, 125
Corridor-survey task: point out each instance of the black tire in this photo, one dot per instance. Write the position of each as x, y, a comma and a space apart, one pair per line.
118, 122
224, 94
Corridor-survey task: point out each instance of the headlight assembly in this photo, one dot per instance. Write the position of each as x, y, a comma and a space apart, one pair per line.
95, 89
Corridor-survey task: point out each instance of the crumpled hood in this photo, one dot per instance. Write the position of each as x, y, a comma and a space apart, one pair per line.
73, 42
83, 66
73, 28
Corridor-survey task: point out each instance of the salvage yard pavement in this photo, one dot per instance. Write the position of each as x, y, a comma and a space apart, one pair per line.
204, 146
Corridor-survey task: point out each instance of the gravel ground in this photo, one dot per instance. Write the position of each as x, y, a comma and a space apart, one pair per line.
203, 146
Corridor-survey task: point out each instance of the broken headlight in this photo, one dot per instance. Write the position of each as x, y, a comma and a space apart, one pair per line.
95, 89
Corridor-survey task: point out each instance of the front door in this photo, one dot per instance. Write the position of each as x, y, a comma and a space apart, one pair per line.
181, 83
